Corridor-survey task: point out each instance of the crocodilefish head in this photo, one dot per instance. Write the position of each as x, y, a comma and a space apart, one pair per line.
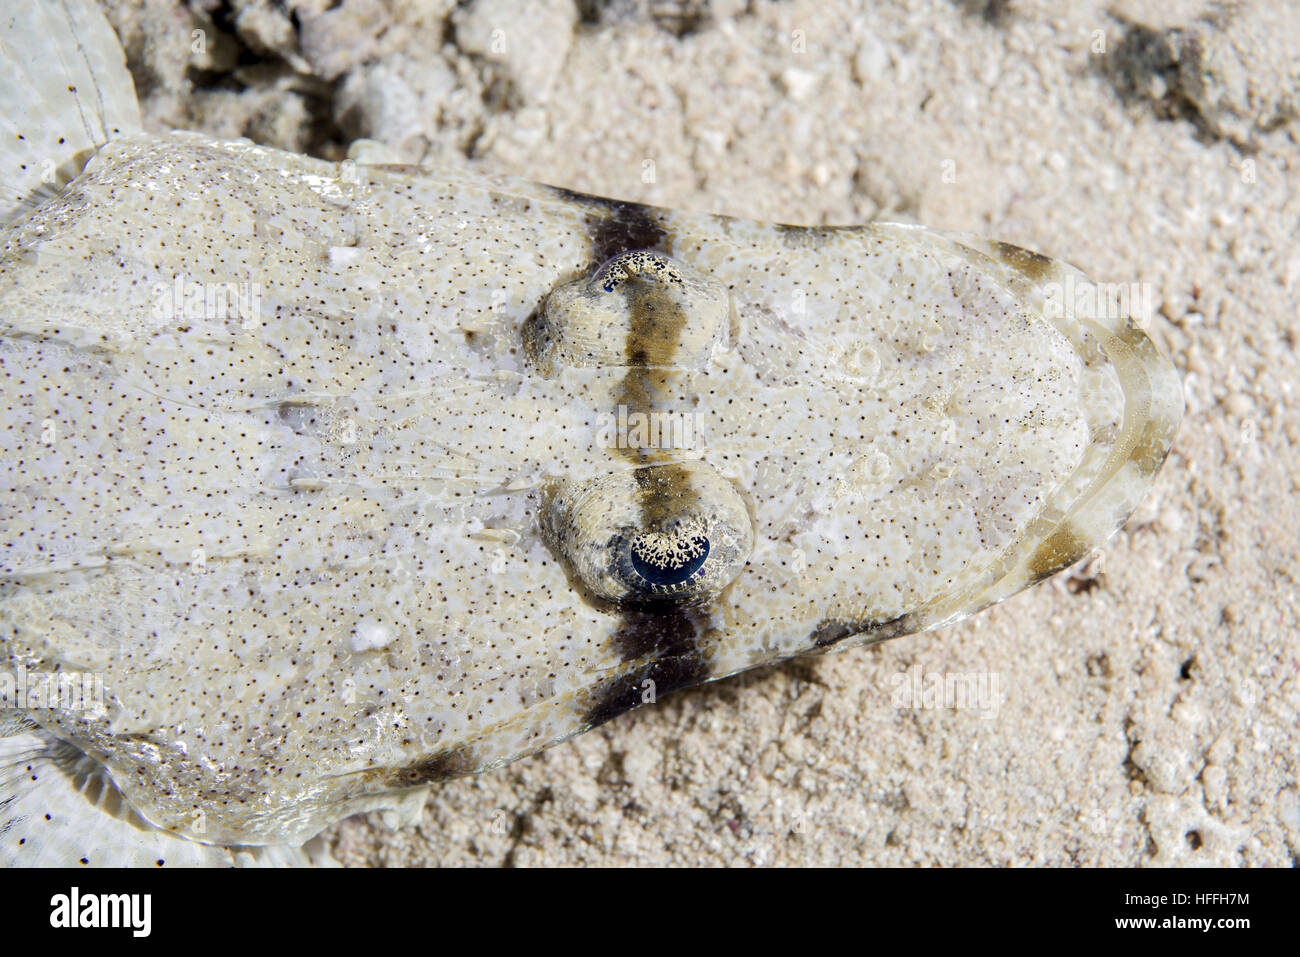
815, 438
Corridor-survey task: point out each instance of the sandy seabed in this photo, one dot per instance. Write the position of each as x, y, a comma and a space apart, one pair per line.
1148, 705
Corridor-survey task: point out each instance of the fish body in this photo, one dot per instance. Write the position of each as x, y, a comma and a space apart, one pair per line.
342, 479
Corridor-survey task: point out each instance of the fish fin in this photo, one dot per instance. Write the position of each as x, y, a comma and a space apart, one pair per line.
64, 92
60, 808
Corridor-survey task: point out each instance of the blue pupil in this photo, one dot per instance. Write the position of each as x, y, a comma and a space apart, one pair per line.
673, 573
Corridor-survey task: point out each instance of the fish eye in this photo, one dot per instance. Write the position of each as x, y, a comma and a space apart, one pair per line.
676, 532
674, 314
666, 559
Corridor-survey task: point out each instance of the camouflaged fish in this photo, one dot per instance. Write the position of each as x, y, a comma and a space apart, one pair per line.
324, 482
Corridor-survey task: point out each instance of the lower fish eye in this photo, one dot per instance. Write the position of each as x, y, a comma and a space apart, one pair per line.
666, 559
676, 532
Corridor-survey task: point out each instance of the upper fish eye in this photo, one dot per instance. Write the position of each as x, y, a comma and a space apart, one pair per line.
677, 532
640, 308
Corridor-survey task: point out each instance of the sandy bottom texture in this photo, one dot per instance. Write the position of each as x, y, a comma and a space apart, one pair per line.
1148, 698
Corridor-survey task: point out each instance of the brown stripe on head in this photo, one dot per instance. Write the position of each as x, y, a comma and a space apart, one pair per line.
1033, 266
669, 638
645, 685
1059, 550
668, 631
652, 339
666, 634
436, 767
805, 237
1135, 337
616, 227
663, 636
656, 323
656, 320
662, 492
1152, 447
834, 631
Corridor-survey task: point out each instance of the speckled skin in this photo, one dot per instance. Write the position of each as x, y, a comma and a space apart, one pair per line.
304, 542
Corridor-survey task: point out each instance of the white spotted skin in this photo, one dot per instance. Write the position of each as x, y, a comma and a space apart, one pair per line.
303, 545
